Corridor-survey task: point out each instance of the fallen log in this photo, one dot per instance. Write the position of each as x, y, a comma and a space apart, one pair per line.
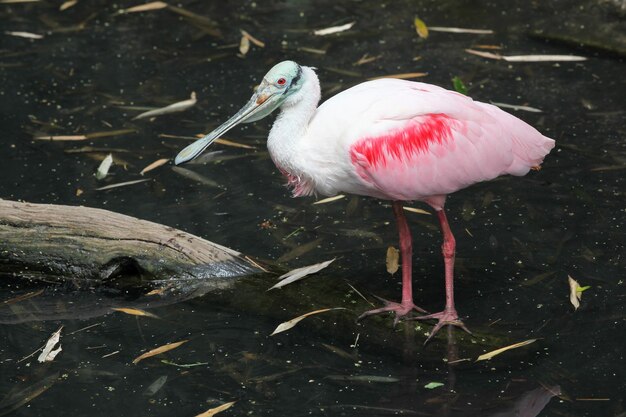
89, 246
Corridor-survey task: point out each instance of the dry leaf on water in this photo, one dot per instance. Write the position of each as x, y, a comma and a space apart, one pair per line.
402, 76
527, 58
493, 353
172, 108
333, 29
299, 273
517, 107
291, 323
122, 184
134, 312
154, 165
158, 351
244, 45
227, 142
330, 199
392, 260
575, 292
416, 210
66, 5
155, 5
27, 35
420, 28
252, 39
214, 411
48, 354
461, 30
104, 167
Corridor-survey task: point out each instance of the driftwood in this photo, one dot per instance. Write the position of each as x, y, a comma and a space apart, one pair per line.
55, 243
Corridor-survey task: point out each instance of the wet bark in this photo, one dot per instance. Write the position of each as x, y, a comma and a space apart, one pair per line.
88, 246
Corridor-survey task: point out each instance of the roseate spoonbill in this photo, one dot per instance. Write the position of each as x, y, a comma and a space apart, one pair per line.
389, 139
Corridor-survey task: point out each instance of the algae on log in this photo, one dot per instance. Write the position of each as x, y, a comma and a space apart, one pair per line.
56, 243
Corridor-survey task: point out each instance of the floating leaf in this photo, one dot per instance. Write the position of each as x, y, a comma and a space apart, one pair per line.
330, 199
227, 142
433, 385
252, 39
22, 297
333, 29
459, 86
154, 165
420, 28
48, 354
392, 260
493, 353
62, 137
402, 76
155, 5
172, 108
291, 323
134, 312
461, 30
574, 294
104, 167
363, 378
66, 5
517, 107
27, 35
122, 184
527, 58
416, 210
214, 411
244, 45
158, 351
299, 273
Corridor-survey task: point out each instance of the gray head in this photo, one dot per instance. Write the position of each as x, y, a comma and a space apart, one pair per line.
281, 82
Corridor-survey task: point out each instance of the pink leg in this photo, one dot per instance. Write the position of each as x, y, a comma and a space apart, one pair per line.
449, 315
406, 248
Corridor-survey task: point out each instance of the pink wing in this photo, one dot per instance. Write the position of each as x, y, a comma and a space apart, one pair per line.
419, 141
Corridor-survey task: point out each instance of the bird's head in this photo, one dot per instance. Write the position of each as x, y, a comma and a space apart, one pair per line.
279, 84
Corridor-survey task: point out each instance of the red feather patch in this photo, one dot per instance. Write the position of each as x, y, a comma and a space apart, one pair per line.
414, 138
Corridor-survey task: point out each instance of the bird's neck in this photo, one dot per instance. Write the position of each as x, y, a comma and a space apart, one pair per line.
292, 123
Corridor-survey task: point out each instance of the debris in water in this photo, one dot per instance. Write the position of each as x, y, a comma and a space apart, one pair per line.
172, 108
329, 199
299, 273
104, 167
291, 323
392, 260
154, 165
122, 184
517, 107
333, 29
420, 28
154, 5
27, 35
461, 30
134, 312
575, 292
527, 58
158, 351
214, 411
49, 353
493, 353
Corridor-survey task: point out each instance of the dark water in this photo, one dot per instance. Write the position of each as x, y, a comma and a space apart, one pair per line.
517, 238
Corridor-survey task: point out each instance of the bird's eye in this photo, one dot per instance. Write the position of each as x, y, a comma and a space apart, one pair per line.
281, 81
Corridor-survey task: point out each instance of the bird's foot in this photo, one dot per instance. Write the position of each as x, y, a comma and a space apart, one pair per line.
444, 318
400, 309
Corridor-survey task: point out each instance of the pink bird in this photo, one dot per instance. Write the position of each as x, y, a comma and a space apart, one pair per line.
389, 139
